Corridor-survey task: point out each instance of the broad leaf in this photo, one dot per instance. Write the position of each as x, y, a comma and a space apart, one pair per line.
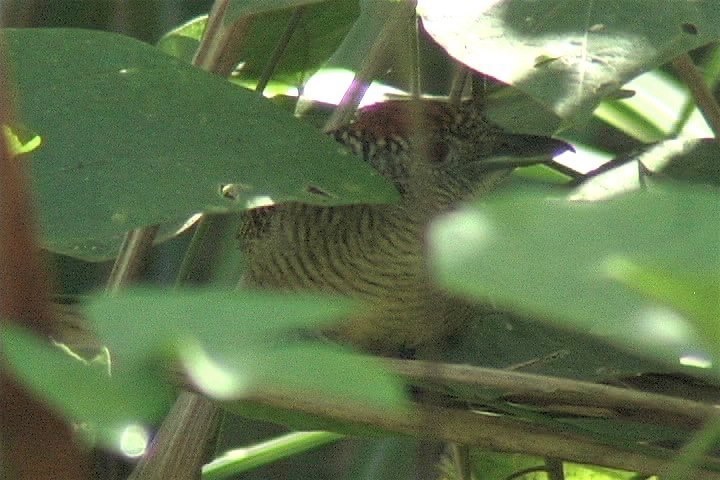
568, 54
562, 260
233, 343
84, 392
133, 137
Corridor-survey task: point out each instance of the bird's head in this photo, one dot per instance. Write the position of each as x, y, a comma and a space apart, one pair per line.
431, 150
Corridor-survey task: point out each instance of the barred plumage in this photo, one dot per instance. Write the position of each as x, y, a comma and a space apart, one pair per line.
435, 156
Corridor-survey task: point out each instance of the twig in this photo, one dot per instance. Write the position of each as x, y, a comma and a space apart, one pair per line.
187, 424
280, 48
220, 46
542, 390
689, 73
131, 257
463, 464
368, 70
554, 469
501, 434
457, 84
415, 72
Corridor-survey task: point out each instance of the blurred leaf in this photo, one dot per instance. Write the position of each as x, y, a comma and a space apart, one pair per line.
569, 54
321, 28
224, 320
539, 174
122, 150
553, 258
328, 371
252, 340
84, 392
695, 295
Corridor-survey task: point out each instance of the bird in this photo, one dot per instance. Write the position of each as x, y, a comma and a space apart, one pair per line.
436, 155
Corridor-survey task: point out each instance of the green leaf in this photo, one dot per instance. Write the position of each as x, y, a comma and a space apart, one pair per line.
135, 137
239, 460
695, 295
182, 41
320, 30
328, 371
235, 342
226, 320
83, 392
554, 258
568, 54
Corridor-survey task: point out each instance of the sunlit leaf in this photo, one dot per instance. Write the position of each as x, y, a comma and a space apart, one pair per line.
569, 54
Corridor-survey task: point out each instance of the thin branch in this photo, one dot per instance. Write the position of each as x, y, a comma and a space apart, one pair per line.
279, 50
463, 463
369, 69
415, 72
531, 389
555, 469
131, 258
213, 31
187, 426
496, 433
457, 84
693, 78
221, 45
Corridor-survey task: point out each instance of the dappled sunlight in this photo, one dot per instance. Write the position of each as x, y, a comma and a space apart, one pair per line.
329, 86
208, 375
134, 440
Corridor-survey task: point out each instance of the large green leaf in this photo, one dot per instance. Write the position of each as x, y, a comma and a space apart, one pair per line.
132, 136
577, 263
253, 340
569, 54
84, 392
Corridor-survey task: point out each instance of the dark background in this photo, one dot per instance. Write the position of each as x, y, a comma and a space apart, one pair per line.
146, 20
